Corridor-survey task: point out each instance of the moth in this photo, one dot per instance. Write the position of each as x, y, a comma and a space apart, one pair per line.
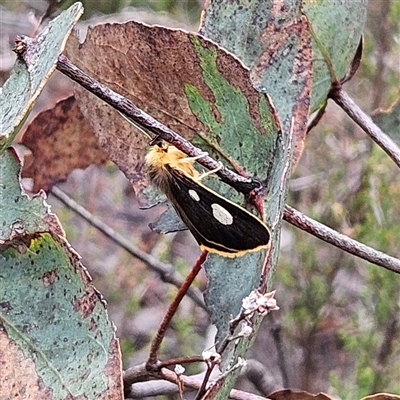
218, 225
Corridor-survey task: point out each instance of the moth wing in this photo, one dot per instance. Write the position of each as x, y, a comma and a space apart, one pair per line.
217, 224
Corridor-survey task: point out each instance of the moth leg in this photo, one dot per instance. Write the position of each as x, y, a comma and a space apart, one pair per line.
213, 171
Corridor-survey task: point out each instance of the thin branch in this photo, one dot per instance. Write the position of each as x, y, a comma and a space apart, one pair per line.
126, 107
365, 122
205, 382
140, 383
180, 360
282, 361
339, 240
260, 376
166, 271
145, 390
136, 374
191, 383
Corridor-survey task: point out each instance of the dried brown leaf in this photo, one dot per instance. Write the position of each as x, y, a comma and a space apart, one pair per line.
18, 372
288, 394
60, 140
382, 396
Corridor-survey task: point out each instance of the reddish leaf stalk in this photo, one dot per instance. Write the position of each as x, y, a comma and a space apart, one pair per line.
203, 386
151, 364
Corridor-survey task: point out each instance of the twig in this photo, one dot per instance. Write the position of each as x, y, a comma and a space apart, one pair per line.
136, 374
145, 390
151, 364
260, 376
282, 356
195, 383
126, 107
145, 384
205, 381
339, 240
166, 271
140, 383
139, 374
365, 122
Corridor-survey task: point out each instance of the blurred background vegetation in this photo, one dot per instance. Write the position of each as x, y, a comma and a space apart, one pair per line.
338, 330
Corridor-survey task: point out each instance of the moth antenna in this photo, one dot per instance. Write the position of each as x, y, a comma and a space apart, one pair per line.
137, 127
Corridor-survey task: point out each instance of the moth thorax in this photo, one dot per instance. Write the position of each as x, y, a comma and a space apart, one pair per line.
160, 177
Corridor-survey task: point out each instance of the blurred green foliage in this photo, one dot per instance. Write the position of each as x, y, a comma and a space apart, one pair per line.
355, 191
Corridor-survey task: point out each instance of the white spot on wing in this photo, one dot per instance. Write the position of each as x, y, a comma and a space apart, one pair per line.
221, 215
193, 194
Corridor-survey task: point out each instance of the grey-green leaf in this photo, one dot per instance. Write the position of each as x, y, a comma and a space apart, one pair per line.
31, 71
